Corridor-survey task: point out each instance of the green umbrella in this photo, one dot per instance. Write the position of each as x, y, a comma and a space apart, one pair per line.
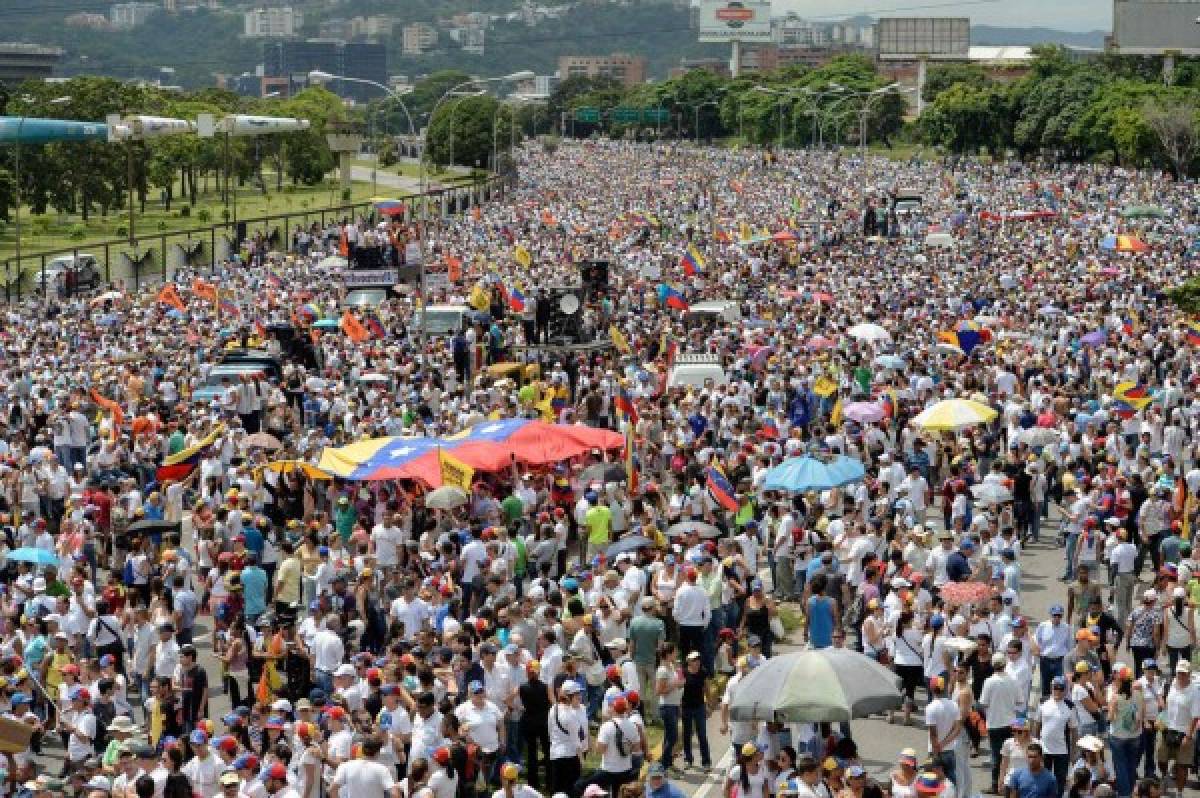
819, 686
1143, 212
326, 324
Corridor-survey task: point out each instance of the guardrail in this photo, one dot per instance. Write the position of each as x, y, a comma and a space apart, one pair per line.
155, 258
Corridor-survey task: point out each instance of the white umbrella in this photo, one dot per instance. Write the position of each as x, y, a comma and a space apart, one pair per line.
1040, 436
333, 262
107, 296
447, 497
991, 493
869, 332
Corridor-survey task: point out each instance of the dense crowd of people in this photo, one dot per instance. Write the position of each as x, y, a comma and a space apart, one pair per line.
193, 607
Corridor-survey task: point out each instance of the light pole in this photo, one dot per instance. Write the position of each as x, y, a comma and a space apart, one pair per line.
17, 174
814, 110
696, 116
319, 77
522, 75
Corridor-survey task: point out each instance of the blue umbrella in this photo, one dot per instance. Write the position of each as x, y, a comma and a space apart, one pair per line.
629, 543
37, 556
326, 324
806, 473
890, 362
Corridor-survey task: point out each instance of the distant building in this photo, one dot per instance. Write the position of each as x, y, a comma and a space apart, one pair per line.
293, 60
628, 70
471, 39
373, 28
419, 38
21, 62
544, 85
337, 28
170, 5
86, 20
276, 22
126, 16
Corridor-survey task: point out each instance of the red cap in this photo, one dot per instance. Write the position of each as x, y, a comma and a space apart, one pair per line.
612, 672
633, 698
336, 713
442, 756
620, 705
276, 771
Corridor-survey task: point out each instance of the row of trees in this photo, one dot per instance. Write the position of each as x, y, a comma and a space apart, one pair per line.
795, 106
88, 177
1111, 109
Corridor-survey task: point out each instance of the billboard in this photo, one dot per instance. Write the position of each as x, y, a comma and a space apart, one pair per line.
735, 20
241, 125
1143, 27
30, 130
935, 38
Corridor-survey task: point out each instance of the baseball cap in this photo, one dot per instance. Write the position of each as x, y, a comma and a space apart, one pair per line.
198, 737
275, 771
475, 686
246, 762
1057, 609
230, 777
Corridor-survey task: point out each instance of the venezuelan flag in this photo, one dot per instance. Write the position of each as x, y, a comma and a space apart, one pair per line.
1133, 394
721, 489
966, 340
229, 309
516, 300
376, 327
1193, 333
182, 463
1127, 325
623, 401
671, 297
692, 262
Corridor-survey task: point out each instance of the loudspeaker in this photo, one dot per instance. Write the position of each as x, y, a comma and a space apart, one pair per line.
566, 314
594, 274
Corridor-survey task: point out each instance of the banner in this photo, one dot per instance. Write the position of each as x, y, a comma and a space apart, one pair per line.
455, 472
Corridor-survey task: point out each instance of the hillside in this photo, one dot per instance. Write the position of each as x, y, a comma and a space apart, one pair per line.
196, 45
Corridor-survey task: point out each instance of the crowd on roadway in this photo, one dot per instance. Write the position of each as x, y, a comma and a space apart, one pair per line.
192, 607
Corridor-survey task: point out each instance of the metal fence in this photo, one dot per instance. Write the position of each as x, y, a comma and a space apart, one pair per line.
155, 258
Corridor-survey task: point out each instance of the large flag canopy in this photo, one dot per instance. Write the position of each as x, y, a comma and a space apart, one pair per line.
487, 446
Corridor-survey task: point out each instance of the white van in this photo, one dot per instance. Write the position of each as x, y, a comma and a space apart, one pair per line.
695, 370
725, 310
442, 319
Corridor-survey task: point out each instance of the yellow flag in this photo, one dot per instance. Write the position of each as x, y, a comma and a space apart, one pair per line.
835, 417
522, 256
824, 387
619, 340
744, 232
455, 472
479, 298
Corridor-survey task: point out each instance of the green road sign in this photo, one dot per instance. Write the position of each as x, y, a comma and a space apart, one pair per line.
627, 116
586, 114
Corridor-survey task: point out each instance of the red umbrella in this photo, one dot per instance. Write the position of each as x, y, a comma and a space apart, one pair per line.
392, 210
821, 296
966, 592
784, 235
821, 342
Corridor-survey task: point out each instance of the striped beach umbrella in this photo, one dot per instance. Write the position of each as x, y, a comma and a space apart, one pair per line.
819, 686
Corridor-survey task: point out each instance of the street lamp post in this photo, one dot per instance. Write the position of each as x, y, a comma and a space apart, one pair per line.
319, 77
515, 77
696, 116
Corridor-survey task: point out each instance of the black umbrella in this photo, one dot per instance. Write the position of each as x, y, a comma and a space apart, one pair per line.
603, 472
629, 543
150, 527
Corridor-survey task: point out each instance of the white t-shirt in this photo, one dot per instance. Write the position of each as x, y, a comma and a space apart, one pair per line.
482, 724
612, 761
941, 714
80, 747
205, 774
1055, 717
999, 698
363, 778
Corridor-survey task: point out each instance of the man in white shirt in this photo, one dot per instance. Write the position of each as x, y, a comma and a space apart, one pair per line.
944, 723
692, 613
1056, 726
366, 777
568, 738
426, 728
617, 742
79, 724
328, 652
999, 701
1182, 717
483, 720
388, 537
204, 768
410, 610
1123, 558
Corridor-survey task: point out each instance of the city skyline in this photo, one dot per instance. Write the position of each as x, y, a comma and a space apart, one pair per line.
1067, 15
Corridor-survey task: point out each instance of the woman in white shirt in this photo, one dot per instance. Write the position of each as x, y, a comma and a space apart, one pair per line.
443, 779
748, 778
909, 659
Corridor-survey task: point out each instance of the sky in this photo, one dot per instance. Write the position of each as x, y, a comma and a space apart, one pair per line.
1070, 15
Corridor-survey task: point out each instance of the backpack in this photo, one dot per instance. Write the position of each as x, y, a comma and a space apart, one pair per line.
852, 617
127, 574
471, 765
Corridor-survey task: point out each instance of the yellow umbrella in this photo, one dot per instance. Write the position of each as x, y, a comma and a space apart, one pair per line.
954, 414
288, 466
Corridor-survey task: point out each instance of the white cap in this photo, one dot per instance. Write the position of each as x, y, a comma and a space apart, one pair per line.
282, 705
345, 669
618, 642
39, 583
1150, 595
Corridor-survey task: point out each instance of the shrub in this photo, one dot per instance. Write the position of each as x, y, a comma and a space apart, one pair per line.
225, 215
162, 225
346, 194
77, 232
204, 215
122, 231
185, 212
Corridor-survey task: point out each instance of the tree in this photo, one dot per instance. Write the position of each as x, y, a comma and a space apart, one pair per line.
427, 92
965, 118
1175, 127
461, 131
943, 76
